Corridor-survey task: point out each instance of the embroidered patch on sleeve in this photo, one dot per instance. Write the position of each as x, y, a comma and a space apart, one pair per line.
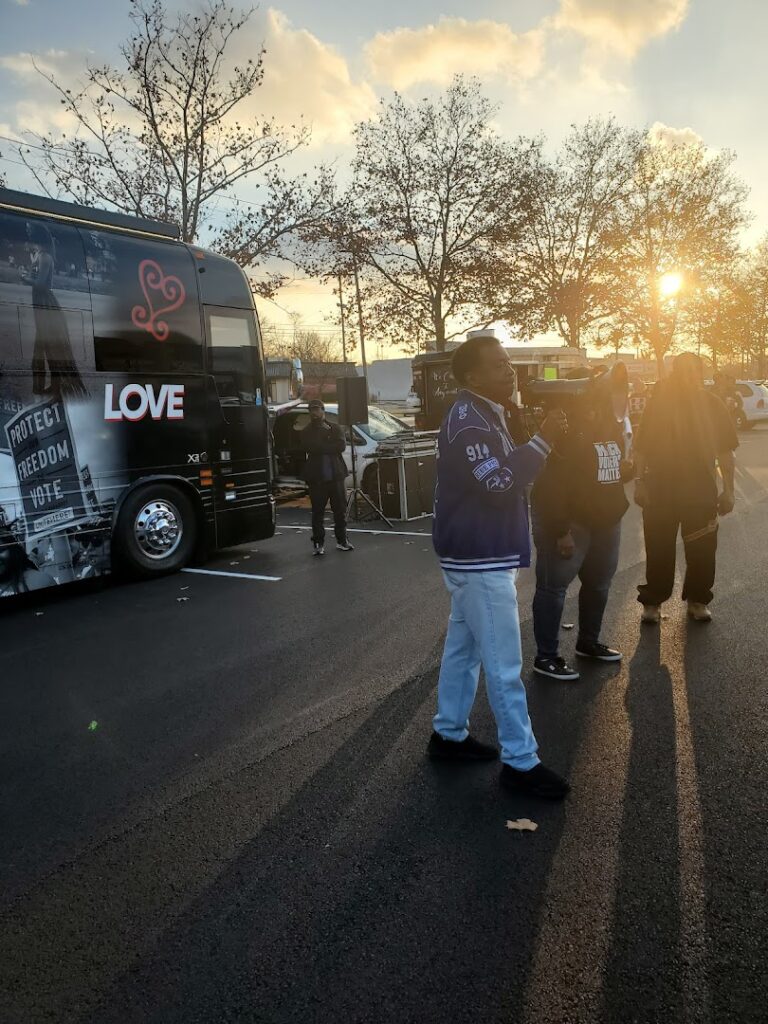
482, 471
501, 481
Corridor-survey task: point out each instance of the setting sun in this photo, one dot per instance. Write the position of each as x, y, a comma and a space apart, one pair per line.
670, 284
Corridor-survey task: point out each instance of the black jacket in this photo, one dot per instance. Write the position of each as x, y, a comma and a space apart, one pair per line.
583, 481
321, 440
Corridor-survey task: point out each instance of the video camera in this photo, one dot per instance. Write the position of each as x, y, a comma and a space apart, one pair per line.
602, 388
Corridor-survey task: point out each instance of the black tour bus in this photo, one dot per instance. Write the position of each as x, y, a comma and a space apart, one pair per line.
133, 416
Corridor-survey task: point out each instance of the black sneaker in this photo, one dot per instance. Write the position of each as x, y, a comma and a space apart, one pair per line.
555, 668
539, 782
597, 651
346, 546
469, 749
318, 549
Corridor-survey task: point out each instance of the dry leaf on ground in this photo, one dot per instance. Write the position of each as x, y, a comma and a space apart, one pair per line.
522, 825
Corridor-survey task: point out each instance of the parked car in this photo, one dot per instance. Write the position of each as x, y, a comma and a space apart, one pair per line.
288, 422
754, 399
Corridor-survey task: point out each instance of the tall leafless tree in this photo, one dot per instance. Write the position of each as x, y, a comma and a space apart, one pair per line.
165, 136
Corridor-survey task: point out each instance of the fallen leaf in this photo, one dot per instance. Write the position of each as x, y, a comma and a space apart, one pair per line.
183, 588
180, 599
93, 726
522, 825
39, 613
234, 563
567, 625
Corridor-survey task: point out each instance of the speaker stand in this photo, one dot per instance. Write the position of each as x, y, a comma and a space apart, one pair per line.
357, 492
352, 501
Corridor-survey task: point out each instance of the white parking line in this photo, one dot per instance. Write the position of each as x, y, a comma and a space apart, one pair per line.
235, 575
376, 533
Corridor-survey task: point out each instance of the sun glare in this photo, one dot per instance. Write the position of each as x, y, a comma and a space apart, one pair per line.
670, 284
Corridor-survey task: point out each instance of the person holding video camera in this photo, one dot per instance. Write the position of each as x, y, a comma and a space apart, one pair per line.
481, 537
578, 503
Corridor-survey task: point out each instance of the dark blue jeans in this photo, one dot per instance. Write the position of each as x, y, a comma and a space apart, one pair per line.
594, 561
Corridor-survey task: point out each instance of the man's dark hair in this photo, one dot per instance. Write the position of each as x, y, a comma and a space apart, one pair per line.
467, 356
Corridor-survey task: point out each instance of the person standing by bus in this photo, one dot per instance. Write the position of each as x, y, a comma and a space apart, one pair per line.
685, 433
480, 535
325, 473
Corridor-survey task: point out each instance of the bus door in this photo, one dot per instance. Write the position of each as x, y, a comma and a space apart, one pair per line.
239, 441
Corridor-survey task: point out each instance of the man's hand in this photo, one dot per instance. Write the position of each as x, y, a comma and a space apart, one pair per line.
554, 426
566, 545
641, 493
725, 503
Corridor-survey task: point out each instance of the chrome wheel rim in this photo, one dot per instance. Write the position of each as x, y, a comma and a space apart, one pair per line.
158, 529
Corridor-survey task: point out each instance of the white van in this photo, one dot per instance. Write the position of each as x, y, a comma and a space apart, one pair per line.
288, 422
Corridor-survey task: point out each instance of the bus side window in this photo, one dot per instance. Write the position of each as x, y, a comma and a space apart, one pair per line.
43, 295
233, 355
146, 311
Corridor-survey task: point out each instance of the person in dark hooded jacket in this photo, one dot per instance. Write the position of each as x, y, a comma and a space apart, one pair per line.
578, 503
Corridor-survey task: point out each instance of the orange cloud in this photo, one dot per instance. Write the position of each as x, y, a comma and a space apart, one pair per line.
622, 25
435, 53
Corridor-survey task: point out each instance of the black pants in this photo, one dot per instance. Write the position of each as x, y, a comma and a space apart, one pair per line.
698, 525
320, 494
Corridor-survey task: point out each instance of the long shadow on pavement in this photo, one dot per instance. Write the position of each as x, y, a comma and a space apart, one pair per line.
386, 890
642, 971
728, 702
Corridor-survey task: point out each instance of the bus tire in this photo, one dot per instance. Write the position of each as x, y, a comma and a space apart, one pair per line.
156, 531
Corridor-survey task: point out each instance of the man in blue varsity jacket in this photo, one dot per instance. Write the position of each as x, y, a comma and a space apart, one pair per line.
481, 536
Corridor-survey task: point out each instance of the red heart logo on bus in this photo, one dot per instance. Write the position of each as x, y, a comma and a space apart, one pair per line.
157, 286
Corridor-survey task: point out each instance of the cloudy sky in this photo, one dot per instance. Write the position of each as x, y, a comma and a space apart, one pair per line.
696, 65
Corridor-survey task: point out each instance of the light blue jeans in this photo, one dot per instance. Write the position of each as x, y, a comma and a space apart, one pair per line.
484, 628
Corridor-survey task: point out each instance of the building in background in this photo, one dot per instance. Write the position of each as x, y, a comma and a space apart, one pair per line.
320, 378
285, 380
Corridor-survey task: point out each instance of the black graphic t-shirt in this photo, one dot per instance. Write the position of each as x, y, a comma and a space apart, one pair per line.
581, 482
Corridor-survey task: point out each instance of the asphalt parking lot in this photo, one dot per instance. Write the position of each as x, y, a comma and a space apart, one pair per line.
216, 805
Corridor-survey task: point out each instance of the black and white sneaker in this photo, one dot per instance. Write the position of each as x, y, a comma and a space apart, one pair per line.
597, 652
346, 546
555, 668
318, 549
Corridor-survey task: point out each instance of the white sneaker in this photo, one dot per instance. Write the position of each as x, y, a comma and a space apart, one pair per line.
699, 612
318, 549
652, 614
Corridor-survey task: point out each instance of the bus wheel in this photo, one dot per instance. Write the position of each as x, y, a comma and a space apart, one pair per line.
156, 530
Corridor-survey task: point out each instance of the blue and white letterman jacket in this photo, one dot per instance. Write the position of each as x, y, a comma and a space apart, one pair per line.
481, 507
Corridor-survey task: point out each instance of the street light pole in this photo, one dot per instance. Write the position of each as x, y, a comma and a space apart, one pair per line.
361, 328
343, 329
